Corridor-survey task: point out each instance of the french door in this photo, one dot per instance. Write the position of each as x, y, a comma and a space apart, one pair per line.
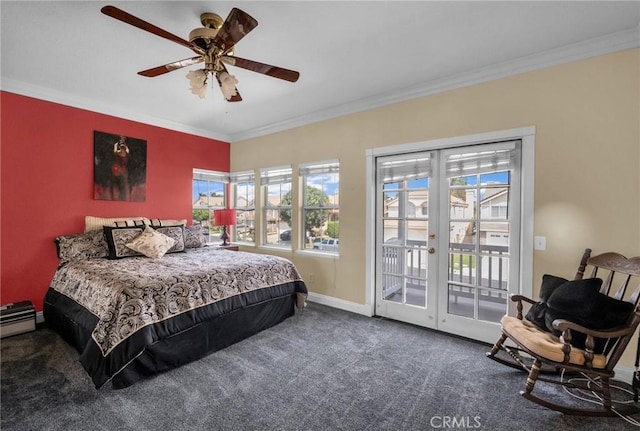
447, 237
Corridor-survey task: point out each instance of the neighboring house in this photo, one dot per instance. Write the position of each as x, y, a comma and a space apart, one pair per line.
493, 206
209, 202
245, 220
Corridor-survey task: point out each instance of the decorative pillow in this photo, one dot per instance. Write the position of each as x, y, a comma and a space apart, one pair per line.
194, 236
165, 222
563, 299
175, 232
549, 285
117, 239
537, 312
581, 302
576, 298
96, 223
151, 243
611, 312
81, 246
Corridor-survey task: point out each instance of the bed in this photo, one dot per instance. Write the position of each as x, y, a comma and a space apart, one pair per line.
132, 316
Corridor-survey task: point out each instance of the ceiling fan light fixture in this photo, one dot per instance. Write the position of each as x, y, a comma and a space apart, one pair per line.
228, 85
198, 82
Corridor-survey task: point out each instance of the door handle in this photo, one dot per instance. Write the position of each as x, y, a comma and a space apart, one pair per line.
431, 250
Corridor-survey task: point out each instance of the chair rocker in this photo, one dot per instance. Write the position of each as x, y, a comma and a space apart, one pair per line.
539, 352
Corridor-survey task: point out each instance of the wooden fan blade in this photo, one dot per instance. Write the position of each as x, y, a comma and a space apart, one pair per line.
166, 68
125, 17
236, 97
266, 69
237, 25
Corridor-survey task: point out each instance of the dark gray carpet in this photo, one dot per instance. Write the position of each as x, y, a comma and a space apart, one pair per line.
323, 369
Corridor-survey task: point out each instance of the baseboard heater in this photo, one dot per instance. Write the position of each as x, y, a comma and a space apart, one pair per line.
17, 318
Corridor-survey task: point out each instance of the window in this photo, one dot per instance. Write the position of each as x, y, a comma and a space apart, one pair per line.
276, 183
499, 211
209, 193
321, 209
244, 188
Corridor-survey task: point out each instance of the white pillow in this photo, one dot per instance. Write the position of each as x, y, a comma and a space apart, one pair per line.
151, 243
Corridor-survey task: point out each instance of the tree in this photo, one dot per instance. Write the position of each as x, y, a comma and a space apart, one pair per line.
314, 219
459, 193
333, 229
200, 215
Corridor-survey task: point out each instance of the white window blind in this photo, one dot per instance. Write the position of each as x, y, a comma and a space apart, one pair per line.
218, 177
243, 177
404, 167
275, 175
490, 158
318, 168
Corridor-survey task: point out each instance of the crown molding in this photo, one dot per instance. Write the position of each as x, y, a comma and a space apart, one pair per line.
75, 101
614, 42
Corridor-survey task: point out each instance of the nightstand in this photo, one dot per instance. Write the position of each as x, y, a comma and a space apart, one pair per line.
231, 247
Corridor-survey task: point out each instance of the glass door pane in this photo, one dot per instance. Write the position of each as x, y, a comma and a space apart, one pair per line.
479, 191
403, 222
404, 250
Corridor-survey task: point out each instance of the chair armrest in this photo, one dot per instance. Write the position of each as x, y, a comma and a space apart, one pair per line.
588, 353
519, 299
620, 331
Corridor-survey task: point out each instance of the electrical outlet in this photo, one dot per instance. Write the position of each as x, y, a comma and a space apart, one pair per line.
311, 277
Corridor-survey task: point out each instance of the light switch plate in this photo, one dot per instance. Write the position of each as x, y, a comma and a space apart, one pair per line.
540, 243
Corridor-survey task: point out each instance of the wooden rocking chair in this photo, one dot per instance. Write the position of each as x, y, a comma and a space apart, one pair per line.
541, 352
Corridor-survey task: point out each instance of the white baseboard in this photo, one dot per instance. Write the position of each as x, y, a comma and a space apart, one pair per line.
341, 304
624, 374
39, 317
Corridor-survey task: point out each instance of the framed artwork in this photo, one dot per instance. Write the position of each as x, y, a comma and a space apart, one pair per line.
120, 167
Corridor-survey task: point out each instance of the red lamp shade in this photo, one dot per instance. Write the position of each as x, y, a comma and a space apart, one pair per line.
224, 217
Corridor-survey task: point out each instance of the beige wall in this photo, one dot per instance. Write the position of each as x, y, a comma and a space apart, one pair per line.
587, 176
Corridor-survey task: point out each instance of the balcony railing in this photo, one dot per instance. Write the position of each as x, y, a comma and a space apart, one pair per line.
488, 269
492, 268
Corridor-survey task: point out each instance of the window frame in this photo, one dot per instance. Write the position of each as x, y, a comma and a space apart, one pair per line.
280, 175
210, 177
305, 171
238, 179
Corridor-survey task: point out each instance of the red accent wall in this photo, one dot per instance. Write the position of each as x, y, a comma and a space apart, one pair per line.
46, 183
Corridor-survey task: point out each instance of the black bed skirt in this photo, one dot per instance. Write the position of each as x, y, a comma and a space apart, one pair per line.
221, 326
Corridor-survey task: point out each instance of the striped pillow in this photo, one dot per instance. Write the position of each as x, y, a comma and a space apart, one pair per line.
96, 223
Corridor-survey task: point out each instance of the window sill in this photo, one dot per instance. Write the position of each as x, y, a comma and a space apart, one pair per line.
319, 253
275, 248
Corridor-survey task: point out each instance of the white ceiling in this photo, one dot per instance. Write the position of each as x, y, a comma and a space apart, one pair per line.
351, 55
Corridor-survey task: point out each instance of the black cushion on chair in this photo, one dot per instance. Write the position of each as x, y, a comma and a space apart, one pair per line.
549, 284
610, 312
537, 312
578, 301
575, 298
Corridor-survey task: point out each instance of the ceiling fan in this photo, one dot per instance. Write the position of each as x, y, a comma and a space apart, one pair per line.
213, 43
